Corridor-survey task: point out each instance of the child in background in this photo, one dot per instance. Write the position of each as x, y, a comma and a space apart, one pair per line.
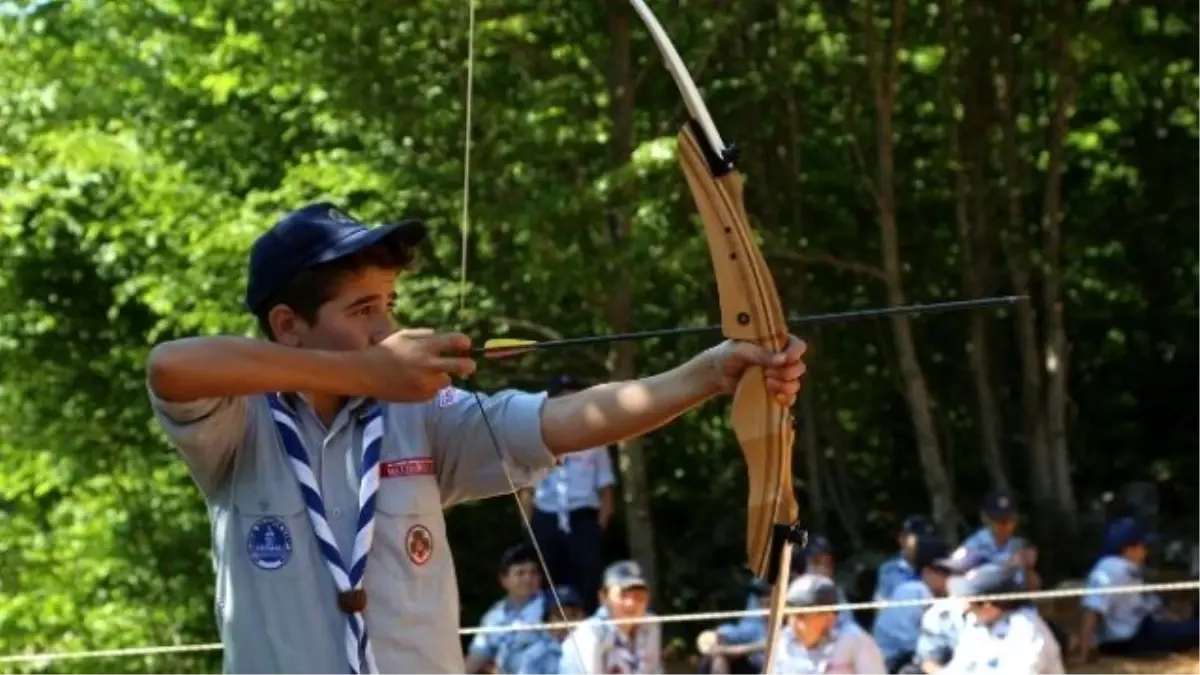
599, 647
900, 567
523, 604
542, 656
738, 647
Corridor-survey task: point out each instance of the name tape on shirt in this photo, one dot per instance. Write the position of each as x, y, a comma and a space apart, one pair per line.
400, 468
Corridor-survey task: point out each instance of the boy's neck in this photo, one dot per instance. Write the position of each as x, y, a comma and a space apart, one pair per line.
326, 406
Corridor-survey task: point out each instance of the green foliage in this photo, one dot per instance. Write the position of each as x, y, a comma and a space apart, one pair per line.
144, 146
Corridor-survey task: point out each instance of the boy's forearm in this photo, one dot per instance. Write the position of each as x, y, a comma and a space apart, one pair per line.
210, 367
612, 412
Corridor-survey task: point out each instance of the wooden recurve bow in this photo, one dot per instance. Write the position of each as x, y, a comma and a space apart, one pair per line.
750, 312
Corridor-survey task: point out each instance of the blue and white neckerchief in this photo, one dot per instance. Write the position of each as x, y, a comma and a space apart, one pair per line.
349, 583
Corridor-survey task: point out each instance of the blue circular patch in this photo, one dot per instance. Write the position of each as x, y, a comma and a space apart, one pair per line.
269, 544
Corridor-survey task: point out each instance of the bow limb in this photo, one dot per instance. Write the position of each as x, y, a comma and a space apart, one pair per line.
751, 311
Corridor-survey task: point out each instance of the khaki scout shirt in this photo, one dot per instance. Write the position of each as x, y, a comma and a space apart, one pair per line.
276, 606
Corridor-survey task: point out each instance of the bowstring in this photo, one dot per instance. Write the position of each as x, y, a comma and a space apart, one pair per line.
462, 298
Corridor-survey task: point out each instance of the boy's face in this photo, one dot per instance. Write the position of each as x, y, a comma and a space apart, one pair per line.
625, 603
1137, 553
1002, 527
821, 563
568, 613
521, 580
357, 316
810, 628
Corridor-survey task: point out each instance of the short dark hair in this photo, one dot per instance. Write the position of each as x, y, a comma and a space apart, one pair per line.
517, 554
309, 290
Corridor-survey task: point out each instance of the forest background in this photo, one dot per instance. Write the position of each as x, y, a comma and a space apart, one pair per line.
895, 151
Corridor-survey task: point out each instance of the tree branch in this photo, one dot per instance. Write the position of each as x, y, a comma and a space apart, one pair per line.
828, 260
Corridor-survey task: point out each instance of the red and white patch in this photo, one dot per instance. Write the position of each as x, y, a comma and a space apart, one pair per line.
413, 466
419, 544
447, 397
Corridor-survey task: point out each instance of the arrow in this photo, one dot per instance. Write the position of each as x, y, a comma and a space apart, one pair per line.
500, 348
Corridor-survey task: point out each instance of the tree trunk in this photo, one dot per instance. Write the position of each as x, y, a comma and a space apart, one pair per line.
973, 227
635, 491
1017, 253
1056, 349
883, 64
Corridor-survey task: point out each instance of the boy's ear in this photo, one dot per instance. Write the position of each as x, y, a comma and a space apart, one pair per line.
287, 325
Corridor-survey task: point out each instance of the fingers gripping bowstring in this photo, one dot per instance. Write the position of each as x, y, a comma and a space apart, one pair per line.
462, 299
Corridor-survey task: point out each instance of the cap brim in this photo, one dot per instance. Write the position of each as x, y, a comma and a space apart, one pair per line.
405, 233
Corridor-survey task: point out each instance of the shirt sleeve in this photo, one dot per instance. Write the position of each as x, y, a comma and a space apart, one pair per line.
484, 644
604, 469
1024, 647
1098, 602
470, 433
580, 652
207, 432
867, 656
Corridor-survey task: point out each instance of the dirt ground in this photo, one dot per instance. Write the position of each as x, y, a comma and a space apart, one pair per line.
1169, 665
1182, 663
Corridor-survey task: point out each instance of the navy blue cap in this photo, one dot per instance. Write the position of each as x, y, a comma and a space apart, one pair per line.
812, 590
818, 545
998, 505
312, 235
624, 574
915, 524
932, 552
567, 597
1122, 533
560, 383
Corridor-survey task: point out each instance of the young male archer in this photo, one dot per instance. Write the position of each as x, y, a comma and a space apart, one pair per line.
327, 452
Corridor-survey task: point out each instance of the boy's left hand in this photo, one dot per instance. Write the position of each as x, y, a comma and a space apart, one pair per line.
783, 370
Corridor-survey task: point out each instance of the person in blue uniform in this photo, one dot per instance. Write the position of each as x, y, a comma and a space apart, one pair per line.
815, 641
899, 568
819, 558
1129, 623
522, 604
1002, 636
570, 510
738, 646
543, 654
898, 627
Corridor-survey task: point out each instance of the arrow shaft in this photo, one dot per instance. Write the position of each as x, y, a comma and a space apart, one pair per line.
810, 320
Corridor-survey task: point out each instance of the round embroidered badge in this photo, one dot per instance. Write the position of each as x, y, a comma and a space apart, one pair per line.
419, 544
269, 544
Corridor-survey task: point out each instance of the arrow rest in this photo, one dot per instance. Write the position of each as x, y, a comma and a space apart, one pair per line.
719, 160
782, 533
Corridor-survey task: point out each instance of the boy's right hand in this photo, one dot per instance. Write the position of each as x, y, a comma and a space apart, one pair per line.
413, 365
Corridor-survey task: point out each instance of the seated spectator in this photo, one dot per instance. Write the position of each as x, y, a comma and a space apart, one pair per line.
1002, 636
899, 568
542, 656
522, 604
819, 559
597, 646
737, 647
815, 642
941, 626
1130, 622
897, 627
995, 540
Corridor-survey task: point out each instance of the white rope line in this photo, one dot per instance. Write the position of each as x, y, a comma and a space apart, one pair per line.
1175, 586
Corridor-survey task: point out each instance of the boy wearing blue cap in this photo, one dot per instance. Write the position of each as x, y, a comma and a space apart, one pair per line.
522, 604
898, 627
900, 568
327, 452
814, 641
1002, 636
597, 646
544, 654
1129, 623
